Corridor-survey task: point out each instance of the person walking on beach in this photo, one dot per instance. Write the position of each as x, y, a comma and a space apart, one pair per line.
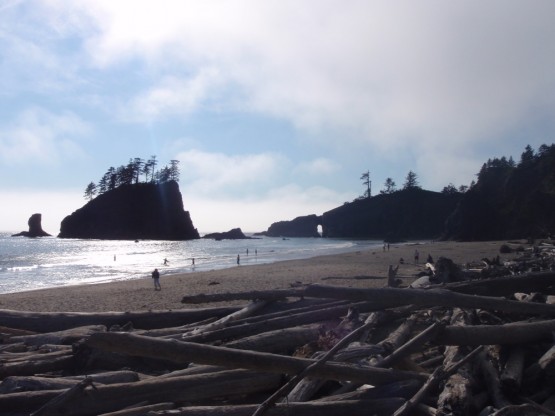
238, 259
416, 256
156, 278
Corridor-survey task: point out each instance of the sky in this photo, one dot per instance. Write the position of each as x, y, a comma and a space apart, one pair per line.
273, 108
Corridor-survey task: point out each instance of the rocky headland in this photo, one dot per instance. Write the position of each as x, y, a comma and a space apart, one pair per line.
509, 201
132, 212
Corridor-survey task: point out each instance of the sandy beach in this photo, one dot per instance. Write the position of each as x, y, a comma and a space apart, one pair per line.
338, 270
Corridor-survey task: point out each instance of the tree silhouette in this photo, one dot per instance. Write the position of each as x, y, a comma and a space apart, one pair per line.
411, 181
366, 181
389, 186
90, 191
174, 170
450, 189
131, 174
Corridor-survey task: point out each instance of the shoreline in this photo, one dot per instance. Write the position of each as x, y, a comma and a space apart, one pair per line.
334, 269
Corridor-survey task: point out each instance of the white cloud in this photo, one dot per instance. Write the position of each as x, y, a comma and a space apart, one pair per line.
319, 166
216, 173
42, 137
429, 79
397, 71
171, 97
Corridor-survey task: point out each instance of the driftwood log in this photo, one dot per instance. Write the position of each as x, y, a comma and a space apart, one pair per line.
387, 351
57, 321
185, 352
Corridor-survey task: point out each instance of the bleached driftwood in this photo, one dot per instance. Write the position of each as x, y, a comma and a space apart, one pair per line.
390, 297
85, 400
185, 352
59, 321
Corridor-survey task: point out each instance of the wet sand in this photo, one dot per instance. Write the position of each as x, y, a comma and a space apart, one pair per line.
337, 270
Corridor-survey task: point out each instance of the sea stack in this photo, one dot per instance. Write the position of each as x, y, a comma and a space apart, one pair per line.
133, 212
35, 228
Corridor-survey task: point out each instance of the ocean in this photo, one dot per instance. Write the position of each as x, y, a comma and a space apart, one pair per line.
37, 263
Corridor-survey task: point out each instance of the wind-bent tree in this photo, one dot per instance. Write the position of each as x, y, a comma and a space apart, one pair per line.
90, 191
152, 162
389, 186
366, 181
130, 174
174, 170
138, 165
411, 181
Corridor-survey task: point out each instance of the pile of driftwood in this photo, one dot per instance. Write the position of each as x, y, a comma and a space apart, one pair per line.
482, 346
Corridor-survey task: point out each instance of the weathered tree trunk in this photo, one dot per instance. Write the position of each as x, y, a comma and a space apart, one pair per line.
15, 384
492, 382
142, 410
68, 336
547, 362
413, 344
455, 398
226, 320
349, 407
508, 334
109, 398
269, 295
183, 352
437, 376
511, 377
389, 297
399, 336
505, 286
404, 389
278, 341
29, 368
305, 318
58, 321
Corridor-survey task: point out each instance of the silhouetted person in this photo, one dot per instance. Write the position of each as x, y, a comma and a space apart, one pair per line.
156, 278
238, 259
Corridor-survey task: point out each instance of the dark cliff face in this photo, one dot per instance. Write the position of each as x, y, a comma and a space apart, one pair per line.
403, 215
140, 211
306, 226
508, 202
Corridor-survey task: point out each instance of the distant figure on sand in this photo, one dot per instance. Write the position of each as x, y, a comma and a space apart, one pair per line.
156, 278
238, 259
247, 251
165, 262
416, 256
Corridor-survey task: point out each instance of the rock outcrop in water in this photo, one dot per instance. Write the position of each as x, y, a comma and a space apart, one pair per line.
234, 234
132, 212
35, 228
